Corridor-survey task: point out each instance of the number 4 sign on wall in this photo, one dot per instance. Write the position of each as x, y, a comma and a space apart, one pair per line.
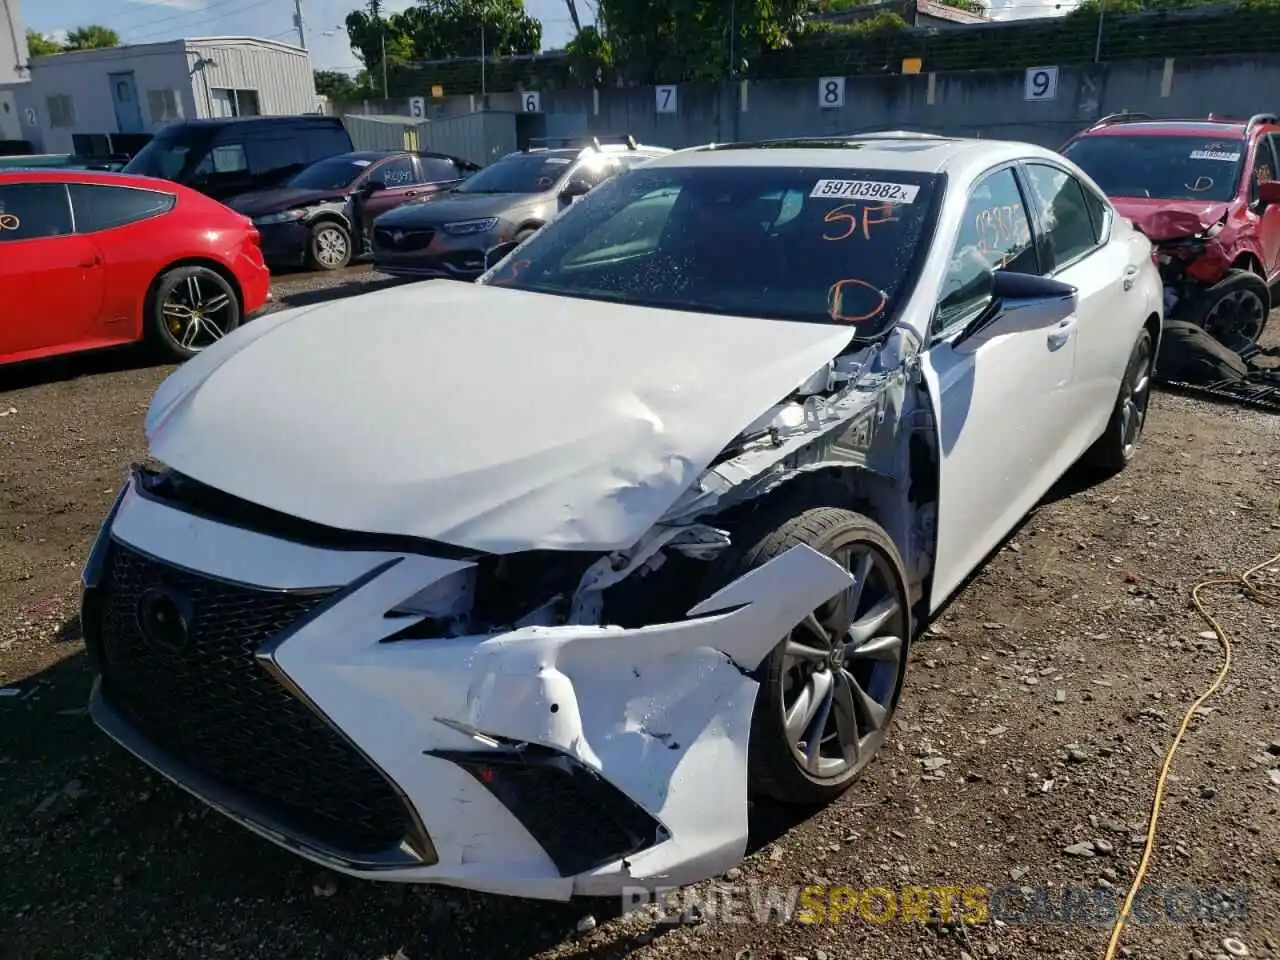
1041, 83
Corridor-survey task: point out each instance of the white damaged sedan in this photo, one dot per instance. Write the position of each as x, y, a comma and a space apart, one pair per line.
526, 585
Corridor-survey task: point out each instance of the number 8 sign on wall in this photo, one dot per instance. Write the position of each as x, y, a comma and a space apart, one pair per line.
830, 92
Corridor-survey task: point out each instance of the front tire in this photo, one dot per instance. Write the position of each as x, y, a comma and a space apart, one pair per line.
1233, 311
191, 308
829, 689
1112, 451
330, 246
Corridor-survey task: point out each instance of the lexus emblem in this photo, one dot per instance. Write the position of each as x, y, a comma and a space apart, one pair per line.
164, 619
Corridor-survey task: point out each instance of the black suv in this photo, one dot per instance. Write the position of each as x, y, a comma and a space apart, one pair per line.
225, 157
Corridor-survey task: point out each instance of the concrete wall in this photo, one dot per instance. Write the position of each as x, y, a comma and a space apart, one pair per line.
985, 103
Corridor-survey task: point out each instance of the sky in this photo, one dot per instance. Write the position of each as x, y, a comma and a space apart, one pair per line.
149, 21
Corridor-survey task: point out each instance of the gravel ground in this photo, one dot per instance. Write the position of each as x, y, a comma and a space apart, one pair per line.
1025, 757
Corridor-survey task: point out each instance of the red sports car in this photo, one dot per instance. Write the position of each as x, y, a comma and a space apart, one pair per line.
91, 260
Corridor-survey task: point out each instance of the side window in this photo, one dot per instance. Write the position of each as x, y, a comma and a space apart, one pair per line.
30, 211
395, 173
995, 234
1264, 165
1062, 213
224, 158
1099, 211
101, 208
271, 154
596, 173
325, 140
439, 170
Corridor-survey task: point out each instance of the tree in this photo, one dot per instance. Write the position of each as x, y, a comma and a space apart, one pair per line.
441, 30
674, 40
338, 87
590, 57
38, 45
92, 37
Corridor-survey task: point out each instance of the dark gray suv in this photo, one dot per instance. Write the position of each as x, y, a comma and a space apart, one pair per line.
446, 235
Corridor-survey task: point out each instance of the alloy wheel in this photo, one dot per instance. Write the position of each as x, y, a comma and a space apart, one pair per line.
842, 669
1237, 318
331, 247
197, 313
1133, 405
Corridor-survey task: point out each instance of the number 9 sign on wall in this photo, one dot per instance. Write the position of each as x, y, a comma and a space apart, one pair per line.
1041, 83
830, 92
531, 102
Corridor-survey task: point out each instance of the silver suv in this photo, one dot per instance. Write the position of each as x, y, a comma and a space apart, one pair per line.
448, 234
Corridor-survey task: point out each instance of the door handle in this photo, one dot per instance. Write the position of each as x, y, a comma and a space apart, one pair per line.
91, 262
1130, 276
1060, 334
411, 193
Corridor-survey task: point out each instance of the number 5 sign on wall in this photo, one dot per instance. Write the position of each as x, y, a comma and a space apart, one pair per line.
1041, 83
531, 102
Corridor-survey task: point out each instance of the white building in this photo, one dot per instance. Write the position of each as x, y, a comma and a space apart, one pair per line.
13, 54
139, 89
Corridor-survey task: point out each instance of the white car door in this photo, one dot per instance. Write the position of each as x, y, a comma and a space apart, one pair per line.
999, 400
1103, 265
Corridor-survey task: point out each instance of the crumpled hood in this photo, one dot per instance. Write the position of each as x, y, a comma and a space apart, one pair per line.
1169, 219
491, 419
447, 207
261, 202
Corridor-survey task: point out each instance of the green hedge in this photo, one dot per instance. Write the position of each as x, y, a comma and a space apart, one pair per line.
879, 45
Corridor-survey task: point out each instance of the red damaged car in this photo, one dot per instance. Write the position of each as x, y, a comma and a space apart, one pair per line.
1205, 193
92, 260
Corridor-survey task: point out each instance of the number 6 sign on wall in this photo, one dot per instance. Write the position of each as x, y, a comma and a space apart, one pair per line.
531, 101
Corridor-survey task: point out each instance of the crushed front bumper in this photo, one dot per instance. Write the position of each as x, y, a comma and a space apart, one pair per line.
543, 762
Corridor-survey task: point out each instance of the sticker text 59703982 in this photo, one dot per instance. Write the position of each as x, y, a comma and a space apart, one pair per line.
866, 190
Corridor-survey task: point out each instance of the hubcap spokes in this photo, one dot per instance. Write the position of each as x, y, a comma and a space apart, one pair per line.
841, 670
196, 317
1133, 411
1237, 316
332, 247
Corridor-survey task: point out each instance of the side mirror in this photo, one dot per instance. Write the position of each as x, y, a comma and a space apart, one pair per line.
1268, 193
577, 187
1021, 302
373, 186
494, 254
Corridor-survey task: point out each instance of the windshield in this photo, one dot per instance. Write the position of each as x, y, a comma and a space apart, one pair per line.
335, 173
818, 245
1162, 167
525, 173
167, 155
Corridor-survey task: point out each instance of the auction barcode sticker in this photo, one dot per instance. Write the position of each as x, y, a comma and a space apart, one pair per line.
866, 190
1214, 155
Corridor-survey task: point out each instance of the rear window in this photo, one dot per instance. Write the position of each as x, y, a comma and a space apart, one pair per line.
1161, 167
817, 245
99, 207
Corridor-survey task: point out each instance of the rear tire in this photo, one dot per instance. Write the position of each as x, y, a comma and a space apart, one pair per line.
846, 681
191, 308
1112, 452
524, 234
330, 246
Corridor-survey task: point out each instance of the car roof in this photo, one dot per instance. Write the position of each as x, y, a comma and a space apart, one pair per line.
1140, 125
288, 118
100, 177
908, 152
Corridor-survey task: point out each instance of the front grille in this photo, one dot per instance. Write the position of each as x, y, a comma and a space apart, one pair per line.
402, 240
212, 705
